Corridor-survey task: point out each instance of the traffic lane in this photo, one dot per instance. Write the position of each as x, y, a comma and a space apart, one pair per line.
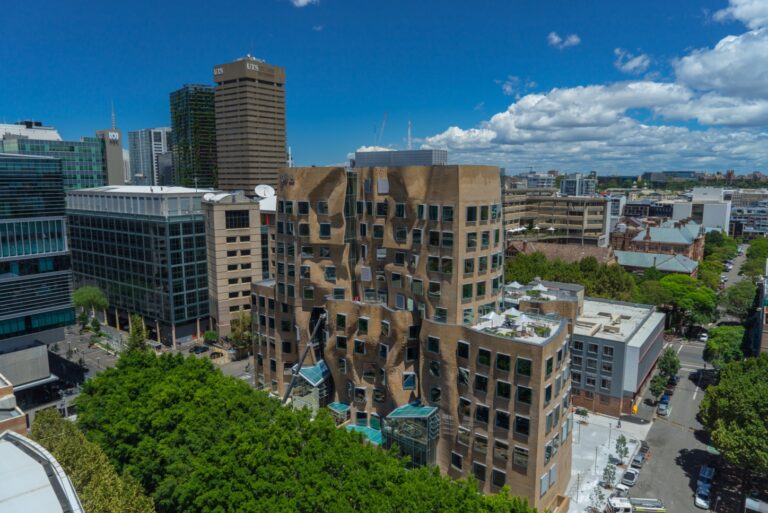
677, 452
733, 275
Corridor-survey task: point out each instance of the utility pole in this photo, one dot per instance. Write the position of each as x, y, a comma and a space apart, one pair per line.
596, 460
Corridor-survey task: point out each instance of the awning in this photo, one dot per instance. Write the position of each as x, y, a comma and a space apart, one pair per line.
38, 382
315, 374
339, 407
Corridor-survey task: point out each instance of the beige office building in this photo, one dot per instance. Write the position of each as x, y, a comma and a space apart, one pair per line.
406, 264
238, 237
250, 123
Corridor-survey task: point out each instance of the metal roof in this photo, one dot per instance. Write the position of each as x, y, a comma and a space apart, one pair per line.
661, 261
32, 480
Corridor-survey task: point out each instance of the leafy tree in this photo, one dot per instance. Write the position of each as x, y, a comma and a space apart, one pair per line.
89, 298
210, 336
724, 345
735, 412
240, 336
199, 441
651, 292
609, 474
658, 385
737, 300
622, 450
100, 488
137, 336
669, 363
692, 303
95, 325
82, 319
596, 499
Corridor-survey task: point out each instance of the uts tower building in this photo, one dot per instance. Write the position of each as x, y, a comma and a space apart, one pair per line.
250, 123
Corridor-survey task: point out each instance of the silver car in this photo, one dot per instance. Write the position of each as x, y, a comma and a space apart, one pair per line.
630, 477
663, 409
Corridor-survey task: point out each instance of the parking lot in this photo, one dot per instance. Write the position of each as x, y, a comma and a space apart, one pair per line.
678, 442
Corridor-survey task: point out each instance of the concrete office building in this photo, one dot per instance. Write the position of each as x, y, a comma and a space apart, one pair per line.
250, 123
400, 158
193, 135
32, 479
616, 206
614, 348
542, 215
407, 265
145, 146
82, 162
145, 248
237, 232
577, 184
707, 207
112, 139
35, 270
540, 180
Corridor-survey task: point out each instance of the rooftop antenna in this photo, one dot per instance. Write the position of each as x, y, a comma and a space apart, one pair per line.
409, 134
114, 122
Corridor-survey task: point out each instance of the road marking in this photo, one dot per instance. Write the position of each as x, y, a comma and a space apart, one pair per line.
679, 349
695, 392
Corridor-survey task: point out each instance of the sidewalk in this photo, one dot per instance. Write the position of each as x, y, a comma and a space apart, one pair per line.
593, 444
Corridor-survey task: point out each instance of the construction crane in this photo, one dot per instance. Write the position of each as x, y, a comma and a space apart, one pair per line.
296, 369
381, 130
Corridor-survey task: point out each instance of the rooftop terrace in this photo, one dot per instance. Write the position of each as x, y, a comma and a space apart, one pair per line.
521, 327
611, 320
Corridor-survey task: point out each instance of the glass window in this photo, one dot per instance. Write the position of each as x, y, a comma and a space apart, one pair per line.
547, 394
434, 289
447, 213
478, 469
446, 265
502, 419
401, 233
362, 325
325, 230
341, 342
471, 240
524, 395
309, 293
462, 349
378, 231
498, 478
384, 328
484, 213
434, 394
434, 368
383, 351
520, 457
381, 209
409, 381
417, 287
467, 291
434, 238
303, 208
501, 450
433, 344
484, 357
447, 239
522, 425
330, 273
463, 376
471, 214
457, 461
524, 366
400, 210
503, 390
481, 414
359, 346
469, 316
550, 365
481, 383
469, 265
416, 235
503, 362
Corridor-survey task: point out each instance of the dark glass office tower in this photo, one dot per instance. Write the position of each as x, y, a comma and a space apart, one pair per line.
145, 248
82, 162
35, 270
193, 136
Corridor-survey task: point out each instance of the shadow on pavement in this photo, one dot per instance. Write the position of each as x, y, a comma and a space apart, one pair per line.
691, 460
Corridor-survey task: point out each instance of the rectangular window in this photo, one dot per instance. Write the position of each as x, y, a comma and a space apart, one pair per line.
341, 342
457, 460
469, 316
605, 384
484, 357
501, 450
480, 289
524, 395
485, 239
502, 419
434, 289
481, 414
447, 239
359, 346
421, 211
547, 394
416, 235
503, 389
447, 214
478, 469
401, 234
503, 362
409, 381
325, 230
550, 365
498, 478
441, 315
309, 293
471, 240
362, 325
330, 273
462, 349
522, 425
484, 213
381, 209
322, 207
607, 352
236, 219
434, 212
471, 214
338, 293
469, 265
466, 291
433, 344
524, 366
434, 238
400, 210
303, 208
433, 264
481, 383
446, 265
378, 231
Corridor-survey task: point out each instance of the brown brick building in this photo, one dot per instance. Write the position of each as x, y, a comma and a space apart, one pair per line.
407, 266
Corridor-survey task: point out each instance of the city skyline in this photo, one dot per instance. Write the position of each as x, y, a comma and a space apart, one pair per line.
617, 89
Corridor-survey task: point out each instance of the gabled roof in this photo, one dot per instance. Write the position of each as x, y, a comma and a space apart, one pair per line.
315, 374
668, 234
662, 262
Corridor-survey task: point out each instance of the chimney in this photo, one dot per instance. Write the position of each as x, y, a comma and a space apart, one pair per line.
525, 245
647, 233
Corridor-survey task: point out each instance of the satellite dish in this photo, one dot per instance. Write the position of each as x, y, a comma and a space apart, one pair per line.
209, 196
264, 191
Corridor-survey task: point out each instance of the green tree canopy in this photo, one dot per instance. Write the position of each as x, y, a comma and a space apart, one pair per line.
724, 345
692, 302
137, 336
90, 298
240, 335
669, 363
735, 412
100, 488
201, 442
737, 300
657, 386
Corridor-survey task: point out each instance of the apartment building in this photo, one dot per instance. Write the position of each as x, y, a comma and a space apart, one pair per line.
238, 241
577, 184
541, 214
404, 268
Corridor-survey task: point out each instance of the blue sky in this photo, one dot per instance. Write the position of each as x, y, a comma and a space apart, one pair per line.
640, 85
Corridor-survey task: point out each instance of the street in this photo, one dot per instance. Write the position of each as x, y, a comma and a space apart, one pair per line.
678, 442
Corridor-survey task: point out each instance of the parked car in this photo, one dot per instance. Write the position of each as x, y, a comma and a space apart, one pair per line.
199, 349
706, 475
630, 477
645, 449
639, 460
704, 337
701, 499
663, 409
673, 381
215, 354
664, 399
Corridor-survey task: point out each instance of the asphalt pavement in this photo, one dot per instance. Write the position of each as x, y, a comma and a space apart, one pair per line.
678, 441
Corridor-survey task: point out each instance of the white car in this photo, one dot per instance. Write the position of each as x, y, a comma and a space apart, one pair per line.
704, 337
702, 497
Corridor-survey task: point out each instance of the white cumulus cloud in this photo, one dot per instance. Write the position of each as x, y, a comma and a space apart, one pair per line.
753, 13
304, 3
630, 63
554, 39
713, 114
